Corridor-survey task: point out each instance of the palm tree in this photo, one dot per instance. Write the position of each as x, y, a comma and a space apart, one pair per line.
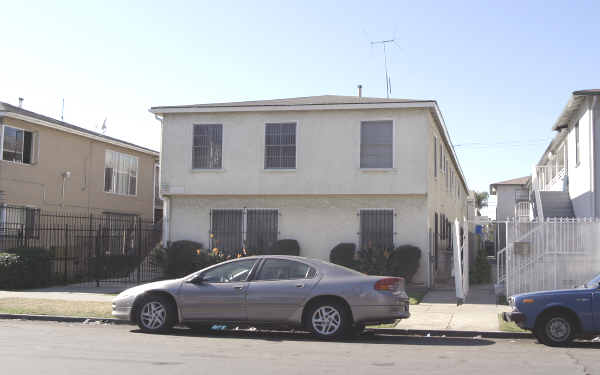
481, 199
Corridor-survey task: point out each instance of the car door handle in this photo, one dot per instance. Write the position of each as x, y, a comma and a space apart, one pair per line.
299, 285
238, 287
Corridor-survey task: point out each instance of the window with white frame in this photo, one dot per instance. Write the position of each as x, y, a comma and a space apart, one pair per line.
376, 228
207, 147
280, 146
17, 145
376, 144
120, 173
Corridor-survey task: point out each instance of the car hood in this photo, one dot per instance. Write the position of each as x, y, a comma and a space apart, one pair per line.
551, 293
157, 285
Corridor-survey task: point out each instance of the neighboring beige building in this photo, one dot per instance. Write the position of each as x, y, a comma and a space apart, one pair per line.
512, 198
321, 170
54, 166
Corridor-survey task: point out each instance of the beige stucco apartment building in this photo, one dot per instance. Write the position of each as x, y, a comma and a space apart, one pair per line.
320, 170
54, 166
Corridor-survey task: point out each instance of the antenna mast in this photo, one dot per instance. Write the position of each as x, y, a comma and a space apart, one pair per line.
388, 86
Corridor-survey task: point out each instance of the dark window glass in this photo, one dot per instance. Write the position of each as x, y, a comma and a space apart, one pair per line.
377, 229
237, 271
376, 144
283, 269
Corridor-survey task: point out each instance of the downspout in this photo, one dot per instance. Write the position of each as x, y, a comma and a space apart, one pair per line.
593, 155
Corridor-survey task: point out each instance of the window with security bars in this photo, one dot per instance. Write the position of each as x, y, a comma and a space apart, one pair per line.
376, 144
280, 146
20, 222
376, 228
252, 229
207, 147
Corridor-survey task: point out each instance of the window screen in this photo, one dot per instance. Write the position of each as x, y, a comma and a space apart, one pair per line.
376, 147
377, 228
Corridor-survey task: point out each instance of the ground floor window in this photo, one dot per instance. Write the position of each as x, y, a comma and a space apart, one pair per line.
19, 221
232, 230
376, 228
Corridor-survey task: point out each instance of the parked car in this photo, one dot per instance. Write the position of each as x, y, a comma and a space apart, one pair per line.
296, 292
556, 317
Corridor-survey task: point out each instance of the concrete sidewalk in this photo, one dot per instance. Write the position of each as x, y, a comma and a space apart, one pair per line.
74, 292
438, 311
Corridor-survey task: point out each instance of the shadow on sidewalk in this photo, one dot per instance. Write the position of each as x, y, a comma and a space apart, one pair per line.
368, 338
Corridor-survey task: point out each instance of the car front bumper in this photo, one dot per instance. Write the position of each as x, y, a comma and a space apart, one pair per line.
514, 316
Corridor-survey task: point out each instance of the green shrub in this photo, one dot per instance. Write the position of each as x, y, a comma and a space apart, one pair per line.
402, 261
284, 247
343, 254
22, 268
481, 272
184, 257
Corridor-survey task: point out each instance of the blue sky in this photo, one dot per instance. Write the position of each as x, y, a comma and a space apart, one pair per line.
500, 71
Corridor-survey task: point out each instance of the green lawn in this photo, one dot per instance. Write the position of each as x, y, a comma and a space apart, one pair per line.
509, 326
55, 307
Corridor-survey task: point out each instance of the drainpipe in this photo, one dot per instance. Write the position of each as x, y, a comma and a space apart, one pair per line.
166, 221
593, 158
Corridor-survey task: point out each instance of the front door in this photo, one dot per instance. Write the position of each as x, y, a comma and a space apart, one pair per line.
279, 290
221, 296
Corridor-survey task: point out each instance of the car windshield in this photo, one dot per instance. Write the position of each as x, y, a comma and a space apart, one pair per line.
593, 283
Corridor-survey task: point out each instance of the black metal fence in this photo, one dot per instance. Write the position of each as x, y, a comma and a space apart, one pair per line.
85, 248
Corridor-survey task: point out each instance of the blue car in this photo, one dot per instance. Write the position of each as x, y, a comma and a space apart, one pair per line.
558, 316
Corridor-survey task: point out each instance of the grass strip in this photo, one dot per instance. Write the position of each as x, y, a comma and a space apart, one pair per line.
38, 306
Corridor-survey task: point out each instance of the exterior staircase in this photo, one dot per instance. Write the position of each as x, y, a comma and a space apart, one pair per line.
556, 204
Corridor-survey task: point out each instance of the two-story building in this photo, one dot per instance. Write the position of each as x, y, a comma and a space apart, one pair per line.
566, 180
51, 165
512, 198
320, 170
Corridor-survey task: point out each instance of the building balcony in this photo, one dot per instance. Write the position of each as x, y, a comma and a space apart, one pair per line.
549, 177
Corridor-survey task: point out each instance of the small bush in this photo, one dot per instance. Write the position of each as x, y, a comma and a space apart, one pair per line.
22, 268
284, 247
481, 272
343, 254
185, 257
402, 261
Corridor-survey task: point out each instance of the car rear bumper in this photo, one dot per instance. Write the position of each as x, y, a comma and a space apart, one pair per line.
514, 316
380, 313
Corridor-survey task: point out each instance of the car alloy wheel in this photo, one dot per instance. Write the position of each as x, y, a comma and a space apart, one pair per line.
558, 329
326, 320
153, 315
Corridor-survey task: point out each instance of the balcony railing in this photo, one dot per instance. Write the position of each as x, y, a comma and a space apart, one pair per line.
522, 195
548, 176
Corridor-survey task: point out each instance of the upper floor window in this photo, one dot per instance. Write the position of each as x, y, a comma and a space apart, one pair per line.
120, 173
376, 144
207, 148
577, 158
280, 146
17, 145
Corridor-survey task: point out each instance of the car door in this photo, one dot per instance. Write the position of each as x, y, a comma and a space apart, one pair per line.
596, 308
221, 296
279, 289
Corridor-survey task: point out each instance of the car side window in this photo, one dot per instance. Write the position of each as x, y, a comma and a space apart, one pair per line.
283, 269
237, 271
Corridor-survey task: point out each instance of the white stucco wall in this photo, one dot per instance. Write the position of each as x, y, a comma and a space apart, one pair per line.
328, 154
505, 201
317, 223
580, 175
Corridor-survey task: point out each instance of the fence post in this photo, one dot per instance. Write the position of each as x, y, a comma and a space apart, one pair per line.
139, 247
97, 263
66, 250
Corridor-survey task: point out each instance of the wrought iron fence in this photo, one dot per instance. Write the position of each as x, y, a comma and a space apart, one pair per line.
552, 254
84, 248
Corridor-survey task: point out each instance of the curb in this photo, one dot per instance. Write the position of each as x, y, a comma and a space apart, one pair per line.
448, 333
382, 331
63, 319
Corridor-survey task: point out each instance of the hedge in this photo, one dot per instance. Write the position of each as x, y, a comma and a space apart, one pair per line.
343, 254
22, 268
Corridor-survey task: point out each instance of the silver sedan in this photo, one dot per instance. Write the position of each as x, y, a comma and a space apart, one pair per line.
283, 291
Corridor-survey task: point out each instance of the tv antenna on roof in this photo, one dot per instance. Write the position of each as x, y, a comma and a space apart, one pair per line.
388, 83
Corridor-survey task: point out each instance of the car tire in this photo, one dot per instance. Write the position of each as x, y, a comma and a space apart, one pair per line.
328, 320
156, 313
555, 329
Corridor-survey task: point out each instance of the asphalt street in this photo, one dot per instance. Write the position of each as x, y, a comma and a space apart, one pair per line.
74, 348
